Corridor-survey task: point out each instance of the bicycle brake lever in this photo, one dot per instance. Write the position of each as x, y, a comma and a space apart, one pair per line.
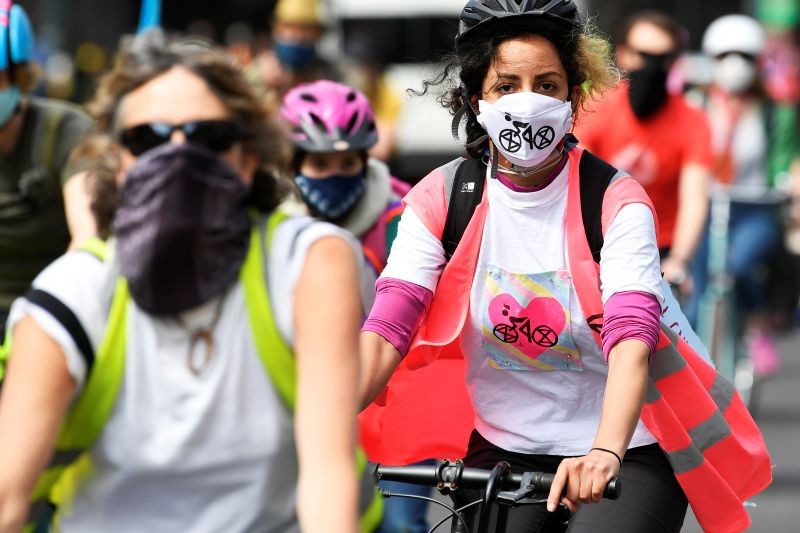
512, 497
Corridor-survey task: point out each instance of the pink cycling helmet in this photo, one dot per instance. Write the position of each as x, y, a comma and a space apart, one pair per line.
329, 117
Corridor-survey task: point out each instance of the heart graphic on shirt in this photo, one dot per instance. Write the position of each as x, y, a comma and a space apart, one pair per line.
531, 330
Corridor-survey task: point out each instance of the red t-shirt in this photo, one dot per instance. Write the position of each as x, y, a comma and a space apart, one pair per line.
653, 151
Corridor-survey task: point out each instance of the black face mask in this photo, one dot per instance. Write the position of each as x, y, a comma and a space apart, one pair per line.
648, 85
182, 228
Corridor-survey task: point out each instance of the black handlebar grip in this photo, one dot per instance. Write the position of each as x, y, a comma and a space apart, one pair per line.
417, 474
611, 492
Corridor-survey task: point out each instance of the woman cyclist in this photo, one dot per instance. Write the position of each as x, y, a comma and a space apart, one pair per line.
215, 302
547, 258
756, 145
332, 128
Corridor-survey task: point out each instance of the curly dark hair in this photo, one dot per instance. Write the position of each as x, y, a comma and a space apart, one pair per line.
586, 57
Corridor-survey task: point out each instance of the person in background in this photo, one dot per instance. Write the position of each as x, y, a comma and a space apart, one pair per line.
662, 141
756, 147
366, 71
44, 204
332, 127
297, 28
225, 332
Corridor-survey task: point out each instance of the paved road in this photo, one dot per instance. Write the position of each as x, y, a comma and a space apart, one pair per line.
777, 410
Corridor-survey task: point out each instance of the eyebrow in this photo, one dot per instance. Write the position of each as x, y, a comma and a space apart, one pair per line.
514, 77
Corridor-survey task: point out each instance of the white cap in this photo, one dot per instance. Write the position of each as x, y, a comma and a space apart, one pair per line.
734, 33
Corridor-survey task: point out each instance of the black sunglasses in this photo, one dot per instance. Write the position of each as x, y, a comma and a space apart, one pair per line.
216, 135
660, 59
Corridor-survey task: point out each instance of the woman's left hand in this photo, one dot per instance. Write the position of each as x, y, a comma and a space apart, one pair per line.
582, 479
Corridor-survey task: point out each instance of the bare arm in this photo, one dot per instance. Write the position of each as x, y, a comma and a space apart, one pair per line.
378, 360
586, 477
691, 219
77, 201
36, 394
794, 190
327, 316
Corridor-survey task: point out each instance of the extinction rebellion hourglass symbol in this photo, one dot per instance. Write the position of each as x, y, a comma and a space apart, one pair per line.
511, 139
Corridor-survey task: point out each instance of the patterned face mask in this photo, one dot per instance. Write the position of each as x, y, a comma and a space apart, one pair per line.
182, 228
526, 127
334, 197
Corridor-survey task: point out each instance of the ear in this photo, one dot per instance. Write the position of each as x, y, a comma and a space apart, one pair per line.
124, 160
249, 165
575, 98
623, 56
473, 103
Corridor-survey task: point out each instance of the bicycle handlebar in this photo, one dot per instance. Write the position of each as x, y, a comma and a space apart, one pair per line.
455, 475
749, 194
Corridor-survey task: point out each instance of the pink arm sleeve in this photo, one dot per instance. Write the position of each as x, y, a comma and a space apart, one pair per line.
397, 312
631, 315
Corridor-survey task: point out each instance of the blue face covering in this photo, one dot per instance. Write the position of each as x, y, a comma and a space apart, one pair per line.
295, 56
9, 100
333, 197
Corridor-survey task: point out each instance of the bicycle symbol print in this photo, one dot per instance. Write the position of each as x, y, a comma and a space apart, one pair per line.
540, 335
512, 139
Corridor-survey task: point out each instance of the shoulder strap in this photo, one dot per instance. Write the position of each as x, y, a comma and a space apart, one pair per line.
86, 419
95, 247
275, 353
464, 196
595, 177
467, 190
52, 123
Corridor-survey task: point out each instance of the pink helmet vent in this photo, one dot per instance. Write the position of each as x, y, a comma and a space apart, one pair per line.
327, 116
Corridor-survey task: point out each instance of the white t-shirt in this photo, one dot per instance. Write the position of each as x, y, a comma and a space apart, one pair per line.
184, 452
537, 381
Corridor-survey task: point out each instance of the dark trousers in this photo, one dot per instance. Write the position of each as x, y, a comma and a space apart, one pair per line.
651, 499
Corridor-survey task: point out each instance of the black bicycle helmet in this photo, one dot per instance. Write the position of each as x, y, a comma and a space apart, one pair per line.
478, 15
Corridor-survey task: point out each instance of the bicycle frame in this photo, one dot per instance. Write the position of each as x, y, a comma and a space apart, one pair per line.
714, 322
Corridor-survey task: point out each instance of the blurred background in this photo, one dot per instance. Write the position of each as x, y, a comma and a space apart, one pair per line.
397, 43
386, 47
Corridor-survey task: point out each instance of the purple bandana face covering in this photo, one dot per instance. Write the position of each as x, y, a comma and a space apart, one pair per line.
182, 228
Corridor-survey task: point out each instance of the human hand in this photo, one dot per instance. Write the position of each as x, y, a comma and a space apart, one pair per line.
272, 73
676, 272
582, 479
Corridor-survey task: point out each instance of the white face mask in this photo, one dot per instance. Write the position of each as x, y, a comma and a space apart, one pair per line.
734, 74
526, 127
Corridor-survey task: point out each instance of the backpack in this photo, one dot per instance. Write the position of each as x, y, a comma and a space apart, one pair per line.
467, 190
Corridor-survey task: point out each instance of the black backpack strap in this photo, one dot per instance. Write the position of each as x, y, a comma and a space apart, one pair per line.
465, 194
595, 177
66, 318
